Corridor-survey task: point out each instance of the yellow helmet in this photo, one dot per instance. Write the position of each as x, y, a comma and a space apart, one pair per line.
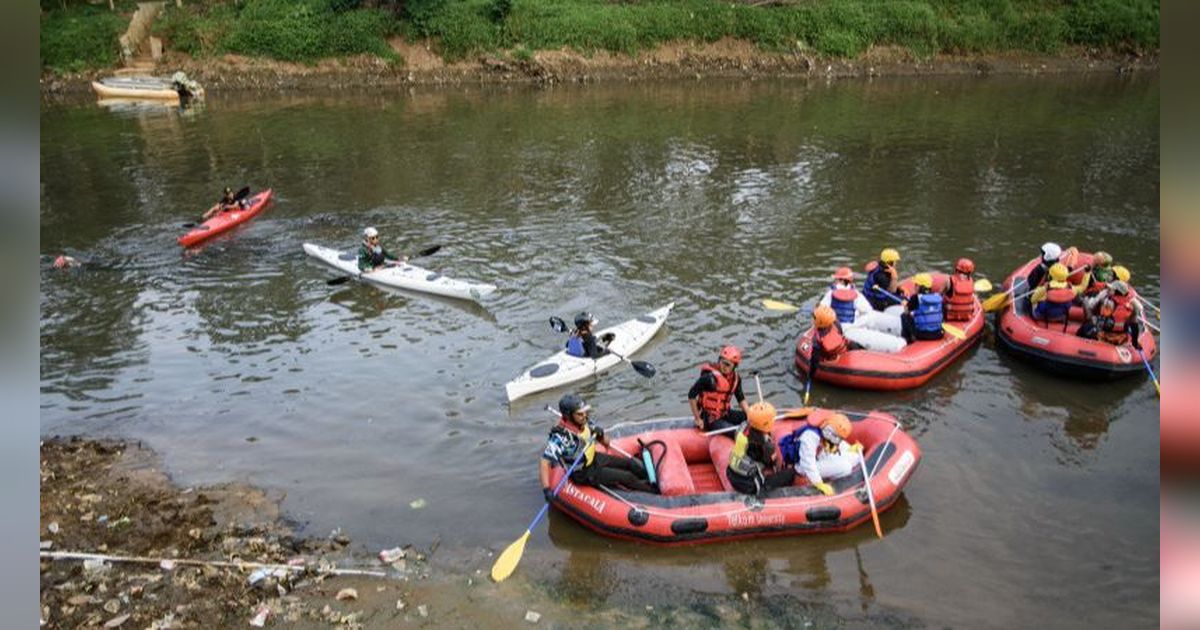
1122, 273
923, 280
889, 256
1059, 272
762, 416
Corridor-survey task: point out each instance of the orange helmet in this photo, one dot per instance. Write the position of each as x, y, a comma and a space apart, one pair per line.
835, 428
823, 316
843, 273
732, 354
965, 265
762, 416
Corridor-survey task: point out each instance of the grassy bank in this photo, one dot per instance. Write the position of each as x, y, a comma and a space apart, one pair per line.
310, 30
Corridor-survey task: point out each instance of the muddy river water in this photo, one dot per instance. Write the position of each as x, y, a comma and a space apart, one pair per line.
1036, 502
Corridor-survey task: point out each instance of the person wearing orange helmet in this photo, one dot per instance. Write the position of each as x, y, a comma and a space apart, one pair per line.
754, 467
959, 293
829, 341
847, 303
711, 396
825, 453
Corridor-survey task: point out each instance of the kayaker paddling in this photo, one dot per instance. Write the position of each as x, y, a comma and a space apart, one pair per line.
583, 343
372, 255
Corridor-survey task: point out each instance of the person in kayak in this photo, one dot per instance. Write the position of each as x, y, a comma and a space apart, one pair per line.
923, 313
711, 396
883, 278
959, 294
824, 452
574, 431
228, 202
372, 255
829, 340
847, 302
1113, 316
582, 343
754, 465
1052, 301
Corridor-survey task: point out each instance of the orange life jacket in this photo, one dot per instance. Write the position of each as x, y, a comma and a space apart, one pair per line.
831, 342
715, 403
960, 304
1114, 313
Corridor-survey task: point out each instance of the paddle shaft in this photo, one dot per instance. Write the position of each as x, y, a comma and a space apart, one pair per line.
561, 482
780, 416
862, 462
1153, 376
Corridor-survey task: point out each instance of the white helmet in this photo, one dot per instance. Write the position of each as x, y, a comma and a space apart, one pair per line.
370, 233
1051, 251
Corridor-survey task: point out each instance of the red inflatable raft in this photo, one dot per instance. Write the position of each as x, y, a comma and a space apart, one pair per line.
225, 221
1057, 348
911, 367
698, 505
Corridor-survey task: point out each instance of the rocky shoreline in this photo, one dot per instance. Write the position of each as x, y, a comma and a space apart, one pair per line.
726, 58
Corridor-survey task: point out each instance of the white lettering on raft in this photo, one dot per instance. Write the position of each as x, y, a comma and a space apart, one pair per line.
900, 468
755, 519
596, 504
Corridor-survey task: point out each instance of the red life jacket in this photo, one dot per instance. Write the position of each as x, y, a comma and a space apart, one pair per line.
715, 403
1114, 313
960, 304
831, 342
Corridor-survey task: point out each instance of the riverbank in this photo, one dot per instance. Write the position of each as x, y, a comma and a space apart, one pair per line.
726, 58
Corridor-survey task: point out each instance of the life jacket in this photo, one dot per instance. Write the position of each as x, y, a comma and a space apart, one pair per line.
832, 342
575, 346
578, 438
715, 403
1114, 313
875, 269
376, 257
928, 316
842, 301
740, 462
1057, 305
960, 304
1099, 281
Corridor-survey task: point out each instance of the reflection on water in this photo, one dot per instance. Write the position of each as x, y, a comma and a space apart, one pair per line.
615, 199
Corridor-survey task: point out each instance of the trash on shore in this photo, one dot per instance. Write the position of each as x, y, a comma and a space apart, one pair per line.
532, 617
260, 616
388, 556
346, 594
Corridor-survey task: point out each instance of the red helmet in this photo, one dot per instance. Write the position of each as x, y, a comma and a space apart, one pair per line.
965, 265
843, 273
732, 354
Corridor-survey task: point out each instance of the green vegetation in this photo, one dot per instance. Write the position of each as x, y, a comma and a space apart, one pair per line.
309, 30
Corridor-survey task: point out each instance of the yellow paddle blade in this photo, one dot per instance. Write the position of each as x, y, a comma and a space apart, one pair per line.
954, 331
996, 302
983, 285
508, 560
776, 305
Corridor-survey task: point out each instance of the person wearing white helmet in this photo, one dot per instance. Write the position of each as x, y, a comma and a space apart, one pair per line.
1051, 252
372, 255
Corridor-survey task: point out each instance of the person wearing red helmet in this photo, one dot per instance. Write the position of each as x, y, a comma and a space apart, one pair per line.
848, 303
960, 291
712, 395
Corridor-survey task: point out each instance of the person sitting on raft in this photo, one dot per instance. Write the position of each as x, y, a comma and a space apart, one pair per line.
824, 454
582, 343
754, 467
372, 255
922, 318
711, 396
574, 431
1050, 255
1052, 301
1100, 274
828, 341
847, 302
1114, 316
959, 294
883, 278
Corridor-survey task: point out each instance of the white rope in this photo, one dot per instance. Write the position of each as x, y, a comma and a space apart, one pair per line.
75, 555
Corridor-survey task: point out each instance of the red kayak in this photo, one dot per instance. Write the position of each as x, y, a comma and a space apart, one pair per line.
1056, 347
227, 220
698, 505
911, 367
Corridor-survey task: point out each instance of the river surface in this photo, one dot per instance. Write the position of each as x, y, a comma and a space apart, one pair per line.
1036, 504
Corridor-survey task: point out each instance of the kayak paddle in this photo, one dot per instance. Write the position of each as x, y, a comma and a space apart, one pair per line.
641, 367
1149, 369
983, 285
870, 495
776, 305
507, 562
333, 282
241, 194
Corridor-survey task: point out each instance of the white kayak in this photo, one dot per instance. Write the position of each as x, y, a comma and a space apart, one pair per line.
401, 276
563, 368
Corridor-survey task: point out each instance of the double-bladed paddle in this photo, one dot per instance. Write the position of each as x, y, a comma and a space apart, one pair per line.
241, 194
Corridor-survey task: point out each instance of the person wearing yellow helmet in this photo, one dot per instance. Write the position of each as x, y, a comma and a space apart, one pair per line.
1122, 273
754, 467
1051, 302
923, 313
574, 431
824, 452
883, 278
